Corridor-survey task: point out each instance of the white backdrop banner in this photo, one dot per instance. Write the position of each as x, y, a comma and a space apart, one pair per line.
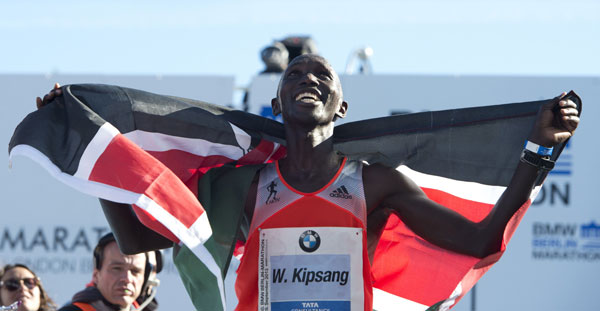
552, 262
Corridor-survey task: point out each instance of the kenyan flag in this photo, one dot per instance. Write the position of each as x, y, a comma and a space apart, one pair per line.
150, 151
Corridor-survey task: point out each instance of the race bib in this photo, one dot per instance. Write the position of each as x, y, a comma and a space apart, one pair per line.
310, 269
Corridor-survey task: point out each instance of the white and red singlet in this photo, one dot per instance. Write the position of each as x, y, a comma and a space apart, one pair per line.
307, 251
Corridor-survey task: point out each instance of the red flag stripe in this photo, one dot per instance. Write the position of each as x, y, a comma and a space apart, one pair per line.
449, 279
142, 173
199, 228
185, 165
94, 149
259, 154
185, 156
400, 242
102, 185
151, 222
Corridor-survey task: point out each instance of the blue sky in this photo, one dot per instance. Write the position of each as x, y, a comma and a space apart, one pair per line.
463, 37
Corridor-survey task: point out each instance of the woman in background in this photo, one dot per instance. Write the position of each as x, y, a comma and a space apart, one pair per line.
19, 283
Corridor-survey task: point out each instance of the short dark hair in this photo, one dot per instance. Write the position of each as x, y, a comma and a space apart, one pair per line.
99, 249
313, 56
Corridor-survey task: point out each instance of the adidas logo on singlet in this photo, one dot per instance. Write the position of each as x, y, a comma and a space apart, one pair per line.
340, 192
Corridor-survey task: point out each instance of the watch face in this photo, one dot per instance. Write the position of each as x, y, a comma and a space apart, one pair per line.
537, 160
532, 157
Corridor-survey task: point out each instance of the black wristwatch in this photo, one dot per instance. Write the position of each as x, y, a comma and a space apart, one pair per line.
541, 162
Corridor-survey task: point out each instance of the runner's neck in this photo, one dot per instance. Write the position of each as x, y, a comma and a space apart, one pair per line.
310, 175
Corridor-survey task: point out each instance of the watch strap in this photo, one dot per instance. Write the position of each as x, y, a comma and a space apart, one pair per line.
541, 162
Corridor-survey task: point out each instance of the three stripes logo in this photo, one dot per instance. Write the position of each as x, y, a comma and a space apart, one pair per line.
340, 192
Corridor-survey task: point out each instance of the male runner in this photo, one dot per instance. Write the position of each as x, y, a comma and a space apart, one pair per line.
313, 205
310, 99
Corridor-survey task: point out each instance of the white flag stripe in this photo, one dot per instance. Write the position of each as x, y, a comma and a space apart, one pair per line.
92, 188
158, 142
192, 238
445, 306
384, 301
200, 230
94, 149
534, 192
242, 138
463, 189
207, 259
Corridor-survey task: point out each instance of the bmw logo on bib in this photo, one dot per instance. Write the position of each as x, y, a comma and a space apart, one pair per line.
309, 241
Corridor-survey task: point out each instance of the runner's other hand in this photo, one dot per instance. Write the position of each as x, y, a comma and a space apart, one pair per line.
56, 91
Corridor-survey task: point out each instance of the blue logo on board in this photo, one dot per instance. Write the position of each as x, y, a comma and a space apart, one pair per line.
564, 165
590, 235
309, 241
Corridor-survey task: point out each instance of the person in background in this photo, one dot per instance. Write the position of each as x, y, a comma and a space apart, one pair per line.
275, 58
117, 280
19, 283
154, 265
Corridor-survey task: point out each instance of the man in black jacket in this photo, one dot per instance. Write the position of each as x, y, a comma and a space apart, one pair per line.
117, 280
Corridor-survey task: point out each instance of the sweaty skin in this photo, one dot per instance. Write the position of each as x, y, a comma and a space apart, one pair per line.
310, 99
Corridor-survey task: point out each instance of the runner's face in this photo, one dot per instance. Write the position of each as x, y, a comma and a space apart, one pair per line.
120, 278
310, 91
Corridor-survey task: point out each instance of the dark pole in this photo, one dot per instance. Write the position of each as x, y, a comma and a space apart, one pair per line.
473, 298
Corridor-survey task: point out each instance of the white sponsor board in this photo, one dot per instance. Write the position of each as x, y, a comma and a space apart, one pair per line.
317, 268
552, 261
53, 228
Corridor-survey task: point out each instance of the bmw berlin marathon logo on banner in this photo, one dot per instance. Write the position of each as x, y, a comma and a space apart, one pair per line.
311, 269
309, 241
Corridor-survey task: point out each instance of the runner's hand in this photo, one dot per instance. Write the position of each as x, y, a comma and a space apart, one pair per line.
56, 91
556, 122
